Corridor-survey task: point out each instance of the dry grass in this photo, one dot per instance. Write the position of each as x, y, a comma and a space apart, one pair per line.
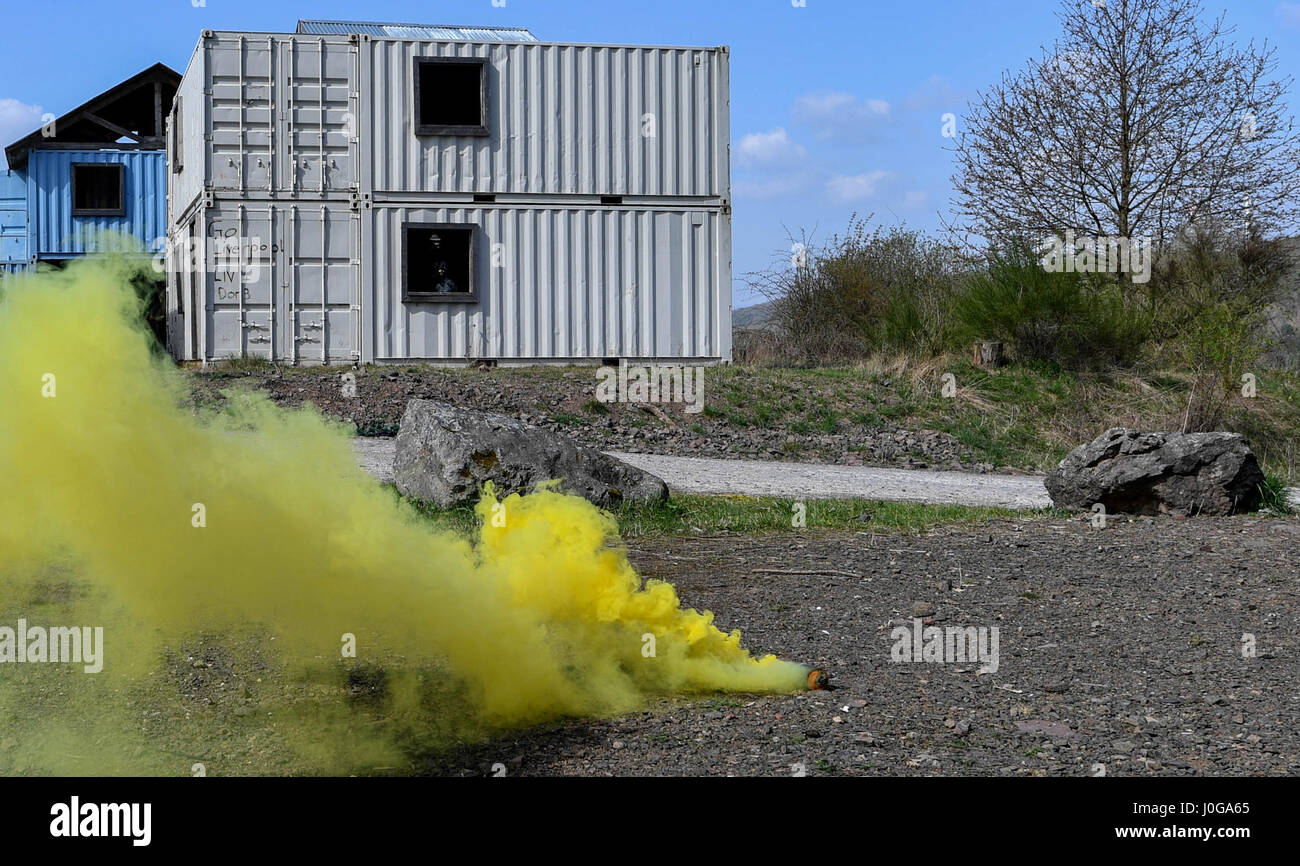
1032, 415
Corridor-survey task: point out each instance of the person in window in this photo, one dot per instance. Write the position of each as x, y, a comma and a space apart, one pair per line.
443, 280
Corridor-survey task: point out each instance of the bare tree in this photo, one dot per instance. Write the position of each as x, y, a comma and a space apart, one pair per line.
1143, 119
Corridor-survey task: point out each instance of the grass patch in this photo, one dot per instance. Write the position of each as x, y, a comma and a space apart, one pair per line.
1273, 496
236, 366
694, 514
460, 520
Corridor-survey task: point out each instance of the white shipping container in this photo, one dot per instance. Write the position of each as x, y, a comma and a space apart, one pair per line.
557, 284
563, 119
550, 285
282, 114
576, 197
268, 115
274, 280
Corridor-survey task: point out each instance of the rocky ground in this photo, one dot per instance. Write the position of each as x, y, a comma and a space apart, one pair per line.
1121, 652
563, 399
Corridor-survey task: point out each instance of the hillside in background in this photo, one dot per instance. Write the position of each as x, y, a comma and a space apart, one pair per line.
1284, 318
756, 316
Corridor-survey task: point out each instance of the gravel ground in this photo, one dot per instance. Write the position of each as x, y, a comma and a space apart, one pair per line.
1120, 648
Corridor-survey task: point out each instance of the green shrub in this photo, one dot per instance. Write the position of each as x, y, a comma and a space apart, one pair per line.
1075, 320
868, 291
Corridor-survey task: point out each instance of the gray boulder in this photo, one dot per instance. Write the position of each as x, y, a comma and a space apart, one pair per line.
446, 453
1159, 473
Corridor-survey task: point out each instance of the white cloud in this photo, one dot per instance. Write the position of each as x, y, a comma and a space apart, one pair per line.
836, 113
769, 148
850, 188
831, 104
817, 106
1289, 13
17, 119
778, 186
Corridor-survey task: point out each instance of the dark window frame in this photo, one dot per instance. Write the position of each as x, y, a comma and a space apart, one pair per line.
178, 138
469, 297
424, 129
119, 211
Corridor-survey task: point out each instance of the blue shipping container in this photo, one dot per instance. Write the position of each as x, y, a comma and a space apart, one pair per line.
56, 233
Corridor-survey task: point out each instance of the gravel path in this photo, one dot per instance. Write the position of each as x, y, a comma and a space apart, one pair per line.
819, 481
796, 480
375, 455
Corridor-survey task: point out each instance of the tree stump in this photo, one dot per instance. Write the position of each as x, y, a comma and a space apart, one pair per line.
988, 354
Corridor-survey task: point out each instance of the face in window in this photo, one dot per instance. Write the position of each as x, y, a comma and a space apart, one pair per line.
442, 280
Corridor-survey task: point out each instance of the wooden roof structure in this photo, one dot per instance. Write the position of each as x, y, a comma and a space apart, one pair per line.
132, 114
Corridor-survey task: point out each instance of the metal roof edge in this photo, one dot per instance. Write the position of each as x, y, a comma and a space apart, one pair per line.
723, 48
302, 21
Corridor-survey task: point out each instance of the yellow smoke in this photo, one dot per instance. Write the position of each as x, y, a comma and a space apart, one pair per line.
105, 470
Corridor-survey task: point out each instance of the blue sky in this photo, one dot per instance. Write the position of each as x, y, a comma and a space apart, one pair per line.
836, 105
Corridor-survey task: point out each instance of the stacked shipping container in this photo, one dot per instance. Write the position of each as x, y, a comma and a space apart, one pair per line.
585, 186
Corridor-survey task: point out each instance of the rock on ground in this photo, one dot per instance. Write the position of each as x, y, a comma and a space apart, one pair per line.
1156, 473
446, 453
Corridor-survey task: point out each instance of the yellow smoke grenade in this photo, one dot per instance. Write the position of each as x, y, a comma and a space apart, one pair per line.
106, 469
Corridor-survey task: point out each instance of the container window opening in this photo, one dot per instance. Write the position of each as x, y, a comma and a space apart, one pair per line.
450, 96
178, 143
98, 189
439, 262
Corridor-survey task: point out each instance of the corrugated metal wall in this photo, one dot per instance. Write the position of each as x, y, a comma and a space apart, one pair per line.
187, 149
57, 233
565, 119
13, 221
555, 283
